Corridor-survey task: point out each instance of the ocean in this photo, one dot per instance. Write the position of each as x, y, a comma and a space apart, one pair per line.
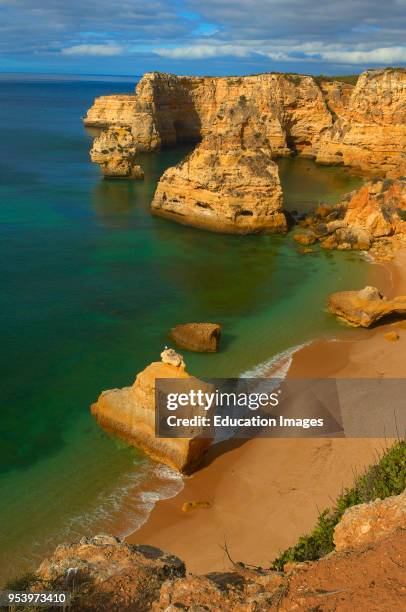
92, 284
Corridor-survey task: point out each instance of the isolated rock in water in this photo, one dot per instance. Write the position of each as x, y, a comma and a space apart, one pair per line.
228, 184
115, 153
370, 522
114, 110
365, 307
203, 337
107, 574
130, 414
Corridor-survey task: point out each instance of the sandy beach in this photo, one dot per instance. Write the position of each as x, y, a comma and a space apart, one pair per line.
265, 493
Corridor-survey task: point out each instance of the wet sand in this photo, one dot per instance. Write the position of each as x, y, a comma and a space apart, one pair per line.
265, 493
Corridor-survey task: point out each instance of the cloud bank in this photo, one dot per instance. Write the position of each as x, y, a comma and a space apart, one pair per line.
249, 35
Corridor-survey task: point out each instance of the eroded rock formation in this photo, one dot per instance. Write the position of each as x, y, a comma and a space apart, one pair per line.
370, 130
366, 307
107, 574
130, 414
360, 220
230, 182
366, 572
115, 153
107, 111
366, 523
202, 337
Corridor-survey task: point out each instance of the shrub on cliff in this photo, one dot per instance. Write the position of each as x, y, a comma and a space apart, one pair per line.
385, 478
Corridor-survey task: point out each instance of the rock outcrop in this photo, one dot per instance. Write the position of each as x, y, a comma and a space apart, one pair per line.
366, 572
362, 219
201, 337
115, 153
230, 182
130, 414
107, 111
107, 574
366, 523
366, 307
370, 131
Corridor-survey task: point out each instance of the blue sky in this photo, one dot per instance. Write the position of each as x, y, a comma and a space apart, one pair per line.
129, 37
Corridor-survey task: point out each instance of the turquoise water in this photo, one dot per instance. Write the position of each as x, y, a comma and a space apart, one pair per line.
91, 284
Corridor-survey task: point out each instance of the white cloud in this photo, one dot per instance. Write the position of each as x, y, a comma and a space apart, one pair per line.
382, 55
100, 50
288, 51
202, 51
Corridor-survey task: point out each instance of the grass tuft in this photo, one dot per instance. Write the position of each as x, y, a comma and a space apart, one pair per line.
385, 478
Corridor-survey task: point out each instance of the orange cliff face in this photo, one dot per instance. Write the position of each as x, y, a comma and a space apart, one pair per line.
370, 131
129, 413
230, 182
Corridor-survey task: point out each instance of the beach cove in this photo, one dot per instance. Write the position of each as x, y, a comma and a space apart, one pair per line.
93, 285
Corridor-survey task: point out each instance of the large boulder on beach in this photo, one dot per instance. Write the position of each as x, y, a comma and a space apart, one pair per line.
201, 337
366, 307
130, 414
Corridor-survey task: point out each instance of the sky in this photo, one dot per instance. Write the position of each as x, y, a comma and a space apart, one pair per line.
218, 37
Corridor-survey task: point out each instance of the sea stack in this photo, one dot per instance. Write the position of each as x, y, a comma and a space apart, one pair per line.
129, 413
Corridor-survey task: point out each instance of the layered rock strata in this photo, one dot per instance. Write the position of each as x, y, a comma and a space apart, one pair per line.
360, 219
366, 307
108, 111
115, 153
130, 414
230, 183
370, 130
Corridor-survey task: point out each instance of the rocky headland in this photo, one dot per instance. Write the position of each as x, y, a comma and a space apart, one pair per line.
230, 182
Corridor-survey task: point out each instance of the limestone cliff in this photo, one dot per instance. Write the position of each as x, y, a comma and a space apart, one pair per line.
130, 414
370, 217
115, 153
115, 110
370, 131
230, 183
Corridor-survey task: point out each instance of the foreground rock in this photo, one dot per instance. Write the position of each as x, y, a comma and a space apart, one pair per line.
365, 573
130, 414
201, 337
366, 307
115, 153
106, 574
366, 523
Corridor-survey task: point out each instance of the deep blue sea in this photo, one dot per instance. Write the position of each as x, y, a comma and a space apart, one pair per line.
91, 285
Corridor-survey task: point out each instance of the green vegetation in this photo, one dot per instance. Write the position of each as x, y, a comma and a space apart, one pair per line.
350, 79
385, 478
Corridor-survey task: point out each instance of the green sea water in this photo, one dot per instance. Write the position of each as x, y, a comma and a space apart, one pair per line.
91, 285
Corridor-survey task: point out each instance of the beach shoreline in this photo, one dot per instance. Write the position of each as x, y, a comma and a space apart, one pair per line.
265, 493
